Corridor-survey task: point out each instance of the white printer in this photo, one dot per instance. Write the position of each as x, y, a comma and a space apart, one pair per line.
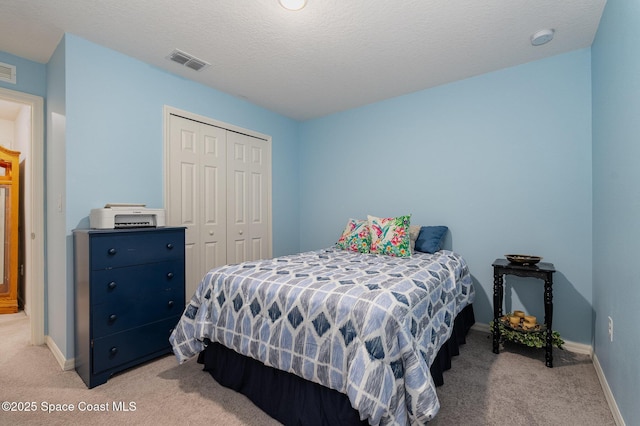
117, 215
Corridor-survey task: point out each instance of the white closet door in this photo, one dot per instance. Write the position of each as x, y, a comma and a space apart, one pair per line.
218, 185
197, 188
248, 182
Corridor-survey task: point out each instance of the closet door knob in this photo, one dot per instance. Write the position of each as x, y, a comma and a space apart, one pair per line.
240, 232
113, 317
170, 246
112, 285
170, 275
111, 251
113, 351
170, 304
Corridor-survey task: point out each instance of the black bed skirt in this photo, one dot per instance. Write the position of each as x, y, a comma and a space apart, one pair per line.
294, 401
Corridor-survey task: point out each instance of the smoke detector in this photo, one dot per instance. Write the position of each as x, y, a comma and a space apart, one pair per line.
187, 60
541, 37
293, 4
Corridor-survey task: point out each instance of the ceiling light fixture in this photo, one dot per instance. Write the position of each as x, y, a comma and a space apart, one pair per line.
541, 37
293, 4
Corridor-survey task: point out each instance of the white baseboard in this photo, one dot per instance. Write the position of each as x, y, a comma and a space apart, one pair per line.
581, 348
613, 406
65, 364
578, 348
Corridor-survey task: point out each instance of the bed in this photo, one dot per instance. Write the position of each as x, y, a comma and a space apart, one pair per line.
363, 333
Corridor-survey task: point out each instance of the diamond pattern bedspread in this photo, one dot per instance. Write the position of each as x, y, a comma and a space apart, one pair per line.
366, 325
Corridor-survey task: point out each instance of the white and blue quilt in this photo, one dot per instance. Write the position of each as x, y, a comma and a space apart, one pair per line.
366, 325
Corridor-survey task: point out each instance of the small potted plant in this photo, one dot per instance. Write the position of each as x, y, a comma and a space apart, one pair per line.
533, 338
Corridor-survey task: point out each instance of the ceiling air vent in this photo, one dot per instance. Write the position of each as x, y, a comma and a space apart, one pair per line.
187, 60
7, 73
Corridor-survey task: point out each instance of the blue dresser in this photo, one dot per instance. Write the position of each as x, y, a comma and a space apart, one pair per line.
129, 295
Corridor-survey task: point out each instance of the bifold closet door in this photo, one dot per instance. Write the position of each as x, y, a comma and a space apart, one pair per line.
218, 188
198, 195
248, 169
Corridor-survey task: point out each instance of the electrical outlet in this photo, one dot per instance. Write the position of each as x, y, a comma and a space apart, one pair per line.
610, 328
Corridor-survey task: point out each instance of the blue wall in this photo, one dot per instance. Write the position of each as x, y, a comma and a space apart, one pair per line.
105, 127
115, 134
503, 159
616, 196
58, 304
30, 76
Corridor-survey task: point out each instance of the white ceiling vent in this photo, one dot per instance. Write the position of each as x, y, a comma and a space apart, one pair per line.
7, 73
187, 60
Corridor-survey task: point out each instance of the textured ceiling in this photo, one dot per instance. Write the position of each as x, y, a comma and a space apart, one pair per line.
331, 56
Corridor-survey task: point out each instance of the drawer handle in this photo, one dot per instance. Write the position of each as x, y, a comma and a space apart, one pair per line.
112, 285
170, 246
170, 304
113, 351
113, 318
112, 251
170, 275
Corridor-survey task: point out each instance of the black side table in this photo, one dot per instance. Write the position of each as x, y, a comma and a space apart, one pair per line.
543, 271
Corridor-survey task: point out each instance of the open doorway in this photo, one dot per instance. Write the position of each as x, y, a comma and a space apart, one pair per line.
22, 127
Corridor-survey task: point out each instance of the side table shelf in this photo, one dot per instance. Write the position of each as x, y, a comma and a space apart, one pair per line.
543, 271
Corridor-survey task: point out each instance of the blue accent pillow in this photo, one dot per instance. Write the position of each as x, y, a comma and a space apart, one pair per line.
430, 238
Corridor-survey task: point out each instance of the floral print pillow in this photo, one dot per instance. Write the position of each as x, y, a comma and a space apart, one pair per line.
390, 236
356, 236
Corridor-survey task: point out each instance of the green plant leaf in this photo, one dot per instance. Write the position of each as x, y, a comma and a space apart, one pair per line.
532, 338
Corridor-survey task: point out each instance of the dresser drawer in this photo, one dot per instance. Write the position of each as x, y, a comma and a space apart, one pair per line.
109, 318
129, 295
120, 348
117, 250
121, 284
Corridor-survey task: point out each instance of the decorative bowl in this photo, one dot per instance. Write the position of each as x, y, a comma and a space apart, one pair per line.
523, 259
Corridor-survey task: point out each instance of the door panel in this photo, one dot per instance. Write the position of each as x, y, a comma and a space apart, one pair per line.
219, 184
213, 205
248, 198
183, 187
198, 194
260, 217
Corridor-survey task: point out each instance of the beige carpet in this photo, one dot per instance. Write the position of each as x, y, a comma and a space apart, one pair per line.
516, 388
513, 388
